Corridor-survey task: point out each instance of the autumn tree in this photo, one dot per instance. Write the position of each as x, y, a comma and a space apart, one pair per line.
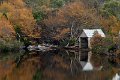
97, 44
19, 15
115, 26
74, 16
111, 25
6, 29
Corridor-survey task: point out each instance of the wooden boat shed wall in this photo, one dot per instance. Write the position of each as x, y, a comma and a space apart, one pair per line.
86, 35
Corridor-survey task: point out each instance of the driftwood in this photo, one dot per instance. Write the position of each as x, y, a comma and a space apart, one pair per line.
39, 48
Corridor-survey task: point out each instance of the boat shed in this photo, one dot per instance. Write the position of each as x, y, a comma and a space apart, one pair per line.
86, 35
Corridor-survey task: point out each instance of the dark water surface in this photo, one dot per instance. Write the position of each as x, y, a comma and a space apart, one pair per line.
57, 65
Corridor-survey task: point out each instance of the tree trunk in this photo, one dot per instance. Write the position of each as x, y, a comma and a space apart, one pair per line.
71, 30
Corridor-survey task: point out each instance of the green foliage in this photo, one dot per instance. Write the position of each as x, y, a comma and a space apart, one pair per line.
38, 75
65, 42
108, 43
72, 42
26, 41
111, 8
17, 29
57, 3
39, 15
103, 46
11, 45
98, 49
35, 4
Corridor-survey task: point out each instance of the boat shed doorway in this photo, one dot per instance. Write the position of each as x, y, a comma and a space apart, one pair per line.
84, 42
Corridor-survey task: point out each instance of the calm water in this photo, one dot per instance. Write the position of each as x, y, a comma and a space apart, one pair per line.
57, 65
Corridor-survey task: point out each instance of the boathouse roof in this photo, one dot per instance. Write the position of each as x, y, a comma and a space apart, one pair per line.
90, 32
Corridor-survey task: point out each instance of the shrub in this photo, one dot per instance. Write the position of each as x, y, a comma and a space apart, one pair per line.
39, 15
65, 42
72, 42
102, 45
12, 45
57, 3
97, 44
108, 43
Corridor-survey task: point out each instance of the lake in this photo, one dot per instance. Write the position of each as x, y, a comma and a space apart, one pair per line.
57, 65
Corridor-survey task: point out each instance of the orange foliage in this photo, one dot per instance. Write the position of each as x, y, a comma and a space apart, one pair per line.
112, 25
6, 29
62, 33
74, 15
79, 13
96, 40
57, 19
19, 15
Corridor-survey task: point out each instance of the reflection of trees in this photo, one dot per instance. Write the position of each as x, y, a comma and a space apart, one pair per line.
115, 61
61, 65
74, 62
65, 65
107, 61
25, 71
98, 60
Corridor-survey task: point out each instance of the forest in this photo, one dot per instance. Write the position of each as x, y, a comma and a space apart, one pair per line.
57, 22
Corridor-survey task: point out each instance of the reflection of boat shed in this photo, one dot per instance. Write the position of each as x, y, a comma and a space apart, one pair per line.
116, 77
87, 65
86, 35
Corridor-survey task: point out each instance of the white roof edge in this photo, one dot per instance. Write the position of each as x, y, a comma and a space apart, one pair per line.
90, 32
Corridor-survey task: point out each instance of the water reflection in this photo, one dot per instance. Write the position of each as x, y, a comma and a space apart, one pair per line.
10, 71
58, 65
116, 77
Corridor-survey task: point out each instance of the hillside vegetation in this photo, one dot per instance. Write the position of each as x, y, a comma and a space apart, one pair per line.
56, 20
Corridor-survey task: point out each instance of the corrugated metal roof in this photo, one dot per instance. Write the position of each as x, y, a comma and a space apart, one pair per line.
90, 32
